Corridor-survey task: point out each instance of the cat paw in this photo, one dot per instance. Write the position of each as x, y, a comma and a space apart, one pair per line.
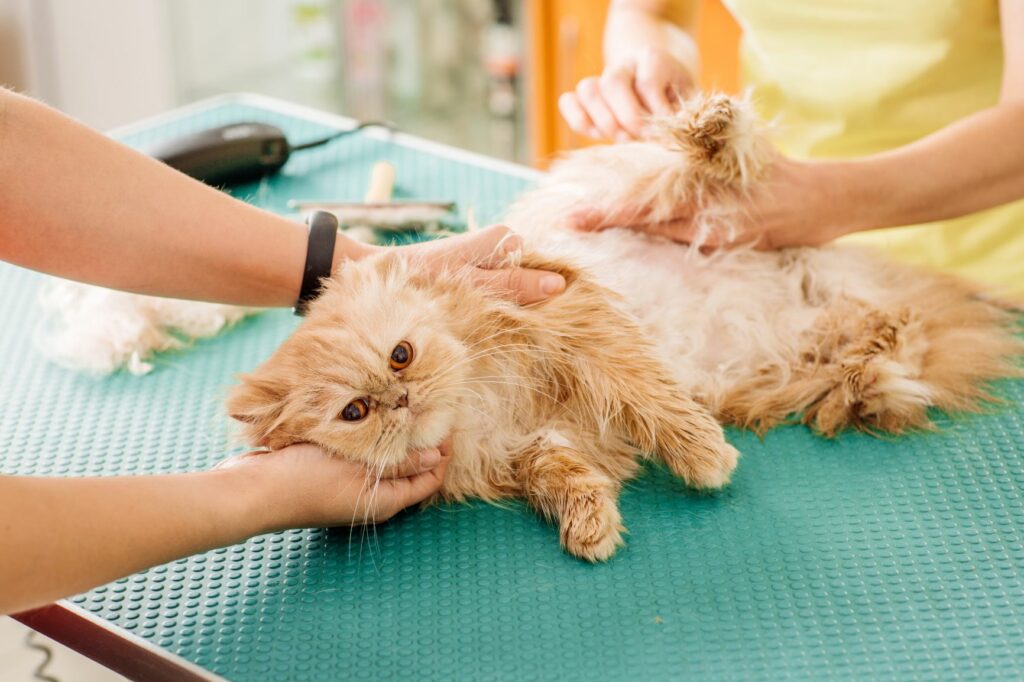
704, 464
713, 469
591, 526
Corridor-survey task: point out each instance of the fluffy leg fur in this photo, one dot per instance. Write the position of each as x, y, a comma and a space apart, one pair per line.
560, 483
616, 366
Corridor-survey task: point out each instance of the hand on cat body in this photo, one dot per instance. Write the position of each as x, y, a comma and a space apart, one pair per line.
305, 487
796, 204
485, 253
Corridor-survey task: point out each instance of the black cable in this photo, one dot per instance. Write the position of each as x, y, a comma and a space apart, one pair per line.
342, 133
40, 672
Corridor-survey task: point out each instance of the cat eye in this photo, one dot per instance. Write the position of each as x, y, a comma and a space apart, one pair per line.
356, 410
401, 356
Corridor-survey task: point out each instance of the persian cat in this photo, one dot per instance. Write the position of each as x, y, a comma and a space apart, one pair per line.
650, 349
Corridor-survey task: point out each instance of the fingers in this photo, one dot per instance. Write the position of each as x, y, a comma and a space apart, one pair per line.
396, 494
677, 230
617, 104
576, 116
592, 220
589, 93
418, 462
522, 285
656, 79
485, 248
617, 89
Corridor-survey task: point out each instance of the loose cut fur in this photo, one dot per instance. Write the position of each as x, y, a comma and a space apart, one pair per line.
651, 347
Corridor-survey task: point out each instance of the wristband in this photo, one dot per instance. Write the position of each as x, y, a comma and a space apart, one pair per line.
323, 233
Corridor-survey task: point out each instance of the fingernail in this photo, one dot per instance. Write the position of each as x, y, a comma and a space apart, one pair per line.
594, 133
623, 137
551, 284
429, 458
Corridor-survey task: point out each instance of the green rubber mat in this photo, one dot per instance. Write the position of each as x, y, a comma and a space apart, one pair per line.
852, 559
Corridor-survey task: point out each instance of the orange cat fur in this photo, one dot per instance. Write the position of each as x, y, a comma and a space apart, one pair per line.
651, 345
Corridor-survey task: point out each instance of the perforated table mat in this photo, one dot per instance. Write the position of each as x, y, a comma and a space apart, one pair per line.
855, 559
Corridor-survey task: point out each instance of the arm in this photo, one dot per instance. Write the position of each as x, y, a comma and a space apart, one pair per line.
973, 164
970, 165
634, 25
61, 536
650, 59
77, 204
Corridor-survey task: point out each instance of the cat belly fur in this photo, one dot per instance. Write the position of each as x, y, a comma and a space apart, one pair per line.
714, 319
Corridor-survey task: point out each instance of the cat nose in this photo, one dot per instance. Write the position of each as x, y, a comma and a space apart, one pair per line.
403, 400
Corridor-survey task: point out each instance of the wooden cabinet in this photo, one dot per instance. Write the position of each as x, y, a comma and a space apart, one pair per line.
563, 39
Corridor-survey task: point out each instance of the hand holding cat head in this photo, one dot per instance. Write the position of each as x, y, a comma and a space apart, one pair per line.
378, 367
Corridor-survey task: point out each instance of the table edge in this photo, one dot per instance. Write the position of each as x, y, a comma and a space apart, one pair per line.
111, 646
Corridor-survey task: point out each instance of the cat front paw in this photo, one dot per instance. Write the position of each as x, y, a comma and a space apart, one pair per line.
591, 526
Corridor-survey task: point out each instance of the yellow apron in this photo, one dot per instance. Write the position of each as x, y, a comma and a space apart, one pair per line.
846, 78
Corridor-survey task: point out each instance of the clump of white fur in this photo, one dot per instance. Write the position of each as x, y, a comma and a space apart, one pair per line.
99, 331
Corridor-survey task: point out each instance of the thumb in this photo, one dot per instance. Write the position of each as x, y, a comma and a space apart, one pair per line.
522, 285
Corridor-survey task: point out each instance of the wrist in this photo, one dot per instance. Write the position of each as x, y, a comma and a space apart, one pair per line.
630, 30
248, 498
348, 249
849, 202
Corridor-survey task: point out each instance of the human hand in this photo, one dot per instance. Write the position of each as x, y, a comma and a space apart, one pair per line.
485, 251
797, 203
302, 486
616, 104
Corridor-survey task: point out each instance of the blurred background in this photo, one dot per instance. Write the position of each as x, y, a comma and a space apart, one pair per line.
483, 75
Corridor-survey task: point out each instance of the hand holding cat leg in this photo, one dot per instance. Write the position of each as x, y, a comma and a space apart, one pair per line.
560, 483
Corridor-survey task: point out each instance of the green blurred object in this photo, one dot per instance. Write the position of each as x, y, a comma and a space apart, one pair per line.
855, 559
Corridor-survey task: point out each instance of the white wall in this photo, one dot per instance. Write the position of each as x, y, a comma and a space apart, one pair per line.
15, 66
105, 62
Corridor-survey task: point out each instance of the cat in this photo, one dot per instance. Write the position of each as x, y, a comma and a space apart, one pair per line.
650, 349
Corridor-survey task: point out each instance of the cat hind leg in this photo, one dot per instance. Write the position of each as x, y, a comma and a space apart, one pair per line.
877, 376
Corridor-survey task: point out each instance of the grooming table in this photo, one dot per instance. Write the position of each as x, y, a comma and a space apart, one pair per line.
859, 558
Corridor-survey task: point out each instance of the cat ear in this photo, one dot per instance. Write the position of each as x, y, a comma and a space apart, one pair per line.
259, 402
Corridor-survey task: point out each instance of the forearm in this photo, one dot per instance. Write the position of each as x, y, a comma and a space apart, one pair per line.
76, 204
971, 165
637, 24
64, 536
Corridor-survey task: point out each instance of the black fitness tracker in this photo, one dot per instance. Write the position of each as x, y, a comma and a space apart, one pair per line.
323, 233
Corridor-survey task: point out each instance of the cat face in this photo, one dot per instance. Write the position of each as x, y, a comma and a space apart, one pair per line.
373, 371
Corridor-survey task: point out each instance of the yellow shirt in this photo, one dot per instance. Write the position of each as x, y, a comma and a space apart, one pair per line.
846, 78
